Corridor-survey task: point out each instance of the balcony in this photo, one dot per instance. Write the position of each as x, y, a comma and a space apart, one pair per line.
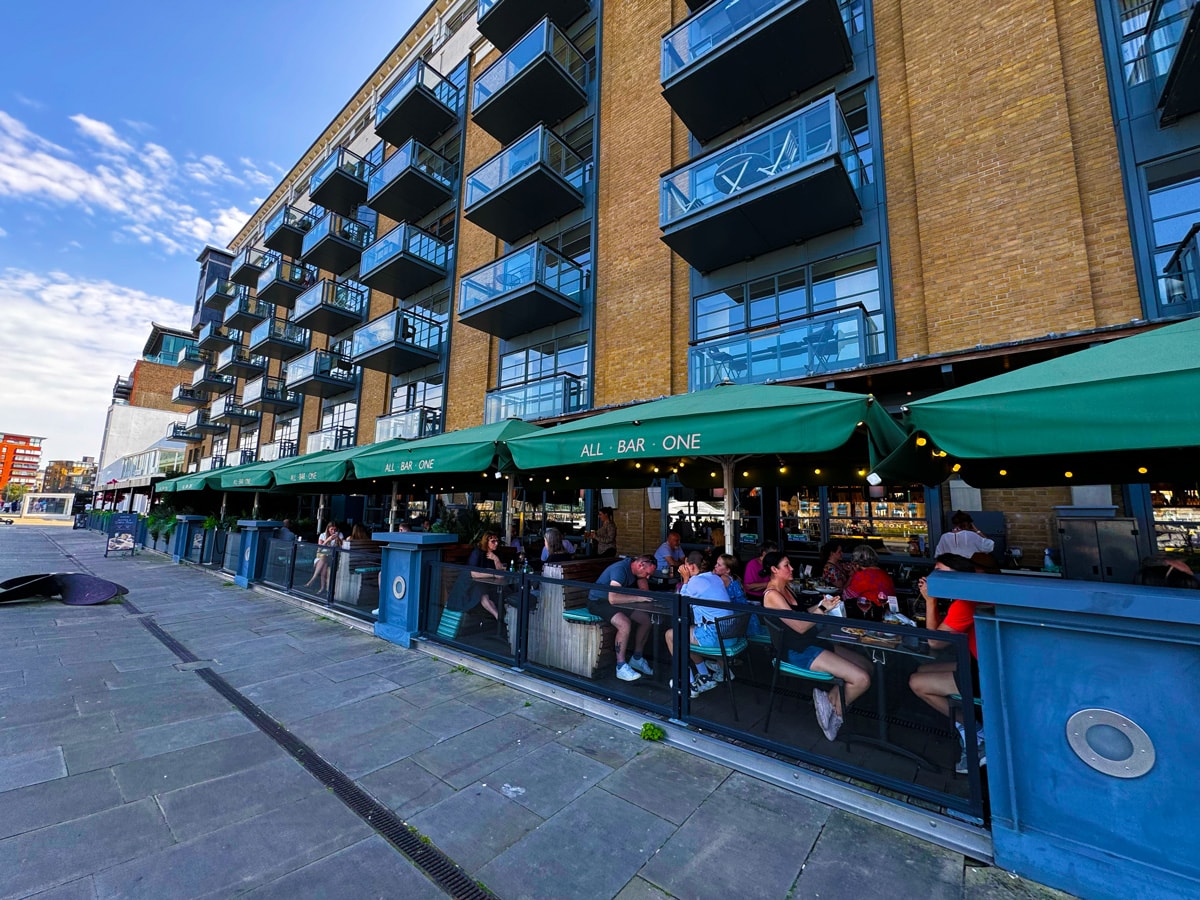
199, 423
269, 394
240, 363
243, 457
504, 21
220, 294
247, 313
404, 261
215, 336
191, 356
421, 105
178, 431
418, 422
1174, 34
398, 342
320, 373
542, 79
249, 264
335, 243
330, 307
535, 400
526, 290
279, 339
278, 450
340, 183
339, 437
530, 184
826, 342
736, 59
185, 393
411, 183
230, 411
207, 378
791, 181
282, 282
1181, 275
284, 231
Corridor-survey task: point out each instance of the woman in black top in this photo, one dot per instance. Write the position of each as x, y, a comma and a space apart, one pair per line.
486, 588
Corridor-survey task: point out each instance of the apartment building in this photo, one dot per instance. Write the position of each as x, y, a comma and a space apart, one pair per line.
20, 455
537, 208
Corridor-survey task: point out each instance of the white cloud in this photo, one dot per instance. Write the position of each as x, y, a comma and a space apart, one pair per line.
146, 190
69, 339
28, 101
3, 233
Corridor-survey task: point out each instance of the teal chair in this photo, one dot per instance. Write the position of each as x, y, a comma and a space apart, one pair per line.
731, 642
781, 666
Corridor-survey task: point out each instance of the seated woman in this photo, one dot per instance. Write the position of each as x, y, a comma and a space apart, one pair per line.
724, 568
803, 650
329, 539
1167, 572
554, 550
934, 682
486, 589
867, 584
832, 569
700, 585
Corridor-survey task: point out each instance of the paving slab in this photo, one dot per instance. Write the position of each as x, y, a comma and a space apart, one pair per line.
60, 800
374, 869
126, 746
191, 765
31, 767
548, 778
475, 825
666, 781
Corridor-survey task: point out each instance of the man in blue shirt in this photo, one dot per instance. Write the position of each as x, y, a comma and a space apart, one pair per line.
669, 555
613, 606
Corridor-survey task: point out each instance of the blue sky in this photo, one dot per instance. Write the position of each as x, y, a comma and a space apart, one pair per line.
132, 133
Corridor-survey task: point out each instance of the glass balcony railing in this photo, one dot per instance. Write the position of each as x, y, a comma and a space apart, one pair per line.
208, 377
185, 393
709, 30
417, 75
1166, 23
340, 437
214, 335
280, 331
349, 297
239, 360
341, 160
410, 424
815, 133
249, 263
247, 311
339, 226
221, 293
826, 342
198, 420
397, 327
320, 364
281, 449
535, 264
544, 40
1172, 47
232, 408
412, 157
404, 239
539, 399
1179, 284
290, 217
268, 390
541, 145
190, 356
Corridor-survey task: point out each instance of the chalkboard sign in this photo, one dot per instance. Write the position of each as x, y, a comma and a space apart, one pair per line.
122, 533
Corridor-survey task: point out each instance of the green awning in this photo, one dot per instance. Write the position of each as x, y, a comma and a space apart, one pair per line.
196, 481
250, 477
1132, 396
468, 450
725, 421
321, 468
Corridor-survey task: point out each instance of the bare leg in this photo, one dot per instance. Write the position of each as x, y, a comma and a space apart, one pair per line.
643, 631
490, 605
934, 683
851, 668
621, 622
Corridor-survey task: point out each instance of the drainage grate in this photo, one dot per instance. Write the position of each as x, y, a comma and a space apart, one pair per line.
173, 645
439, 867
435, 864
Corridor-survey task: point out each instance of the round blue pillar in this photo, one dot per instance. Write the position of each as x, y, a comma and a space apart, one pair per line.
406, 559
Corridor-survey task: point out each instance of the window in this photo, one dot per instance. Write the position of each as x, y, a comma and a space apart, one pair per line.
1174, 196
565, 356
424, 392
854, 108
287, 429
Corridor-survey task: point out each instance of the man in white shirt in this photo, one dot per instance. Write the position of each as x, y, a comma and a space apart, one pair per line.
965, 539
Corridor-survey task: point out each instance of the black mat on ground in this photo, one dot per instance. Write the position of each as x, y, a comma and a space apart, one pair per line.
71, 587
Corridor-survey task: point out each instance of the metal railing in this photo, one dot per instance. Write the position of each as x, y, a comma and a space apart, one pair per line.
321, 363
286, 270
404, 238
541, 399
255, 258
710, 29
338, 437
349, 296
299, 219
250, 306
268, 388
410, 424
544, 40
400, 327
336, 225
821, 342
541, 145
341, 160
278, 450
810, 135
412, 155
209, 373
533, 264
191, 354
239, 356
1180, 281
282, 330
419, 74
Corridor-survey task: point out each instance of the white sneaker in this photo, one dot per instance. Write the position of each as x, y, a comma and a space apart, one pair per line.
701, 684
824, 710
639, 664
626, 673
719, 675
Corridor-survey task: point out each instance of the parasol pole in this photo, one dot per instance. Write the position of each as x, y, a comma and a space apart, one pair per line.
392, 512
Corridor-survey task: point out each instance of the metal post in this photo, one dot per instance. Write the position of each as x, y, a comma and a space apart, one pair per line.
392, 512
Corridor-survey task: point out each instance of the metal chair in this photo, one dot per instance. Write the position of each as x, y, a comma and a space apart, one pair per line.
780, 665
731, 642
788, 151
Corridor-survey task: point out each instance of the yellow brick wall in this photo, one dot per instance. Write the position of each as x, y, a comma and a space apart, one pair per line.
1005, 205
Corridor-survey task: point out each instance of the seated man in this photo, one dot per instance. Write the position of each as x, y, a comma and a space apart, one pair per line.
702, 586
610, 606
669, 555
934, 682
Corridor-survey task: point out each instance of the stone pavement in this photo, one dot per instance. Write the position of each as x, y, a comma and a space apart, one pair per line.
123, 773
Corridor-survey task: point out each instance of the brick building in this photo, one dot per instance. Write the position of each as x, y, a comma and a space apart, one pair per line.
19, 459
66, 475
536, 217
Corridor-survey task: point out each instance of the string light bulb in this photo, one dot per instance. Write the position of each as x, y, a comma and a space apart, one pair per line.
1004, 471
1142, 470
816, 471
921, 442
1068, 474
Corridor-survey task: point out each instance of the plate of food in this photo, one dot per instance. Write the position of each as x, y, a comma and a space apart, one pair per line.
855, 632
